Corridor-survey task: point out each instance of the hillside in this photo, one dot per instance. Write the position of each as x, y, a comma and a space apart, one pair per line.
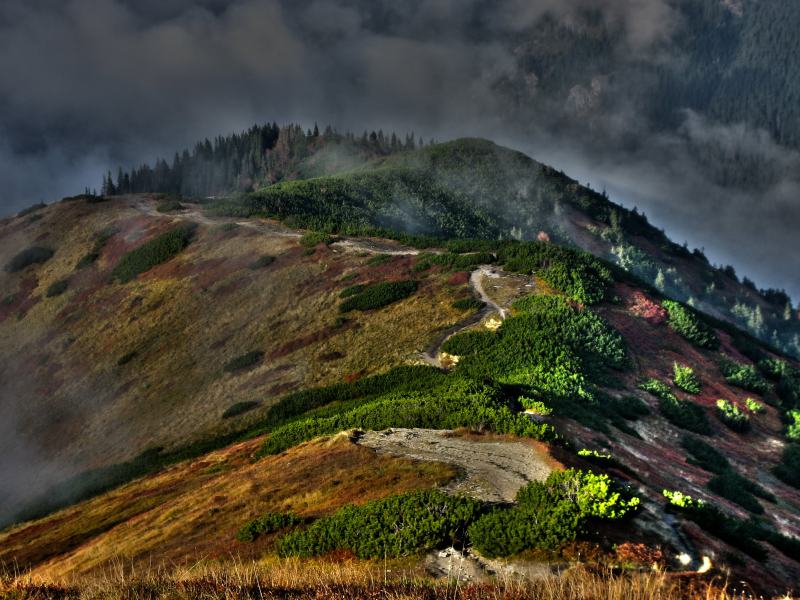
203, 359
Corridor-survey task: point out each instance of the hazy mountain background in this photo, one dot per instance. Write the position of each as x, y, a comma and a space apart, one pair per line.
685, 108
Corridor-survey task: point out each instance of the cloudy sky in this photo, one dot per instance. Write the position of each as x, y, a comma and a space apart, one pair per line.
86, 85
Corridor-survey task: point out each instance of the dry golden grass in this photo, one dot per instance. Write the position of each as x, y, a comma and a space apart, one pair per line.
345, 579
192, 511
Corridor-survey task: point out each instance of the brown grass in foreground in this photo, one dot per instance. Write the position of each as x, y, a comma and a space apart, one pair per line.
323, 580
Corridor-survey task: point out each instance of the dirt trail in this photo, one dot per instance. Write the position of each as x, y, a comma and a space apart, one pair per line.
431, 355
493, 470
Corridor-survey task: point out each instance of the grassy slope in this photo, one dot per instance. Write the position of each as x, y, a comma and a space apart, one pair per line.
185, 319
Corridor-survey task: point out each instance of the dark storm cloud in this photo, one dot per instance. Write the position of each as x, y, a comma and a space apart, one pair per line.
89, 84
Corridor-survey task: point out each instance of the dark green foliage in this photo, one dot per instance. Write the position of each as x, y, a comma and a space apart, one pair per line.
87, 260
468, 304
690, 325
261, 262
629, 407
169, 204
396, 526
154, 252
454, 262
126, 358
705, 456
312, 239
378, 295
731, 485
788, 470
239, 408
399, 379
352, 290
29, 256
743, 376
266, 524
452, 404
31, 209
550, 513
57, 288
245, 361
549, 346
685, 379
679, 412
736, 532
733, 416
578, 274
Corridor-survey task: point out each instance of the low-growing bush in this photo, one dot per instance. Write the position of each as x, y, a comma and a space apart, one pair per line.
743, 376
788, 470
686, 322
578, 274
754, 406
729, 485
397, 526
704, 456
378, 259
732, 416
261, 262
154, 252
793, 425
239, 408
57, 288
452, 404
378, 295
469, 343
126, 358
453, 262
681, 413
312, 239
352, 290
551, 513
468, 304
245, 361
685, 379
266, 524
101, 238
30, 256
169, 204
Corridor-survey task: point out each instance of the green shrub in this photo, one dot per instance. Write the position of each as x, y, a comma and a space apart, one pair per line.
239, 408
261, 262
550, 513
453, 262
87, 260
743, 376
576, 273
453, 403
397, 526
126, 358
312, 239
245, 361
705, 456
101, 238
378, 295
468, 304
685, 379
169, 204
57, 288
629, 407
681, 413
266, 524
754, 406
29, 256
728, 484
352, 290
154, 252
686, 322
736, 532
793, 425
469, 343
732, 416
788, 470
